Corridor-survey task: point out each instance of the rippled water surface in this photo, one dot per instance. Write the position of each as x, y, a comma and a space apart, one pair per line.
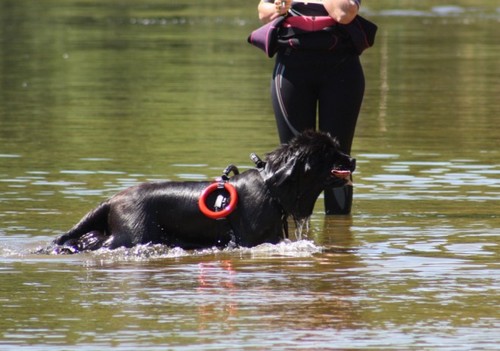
99, 96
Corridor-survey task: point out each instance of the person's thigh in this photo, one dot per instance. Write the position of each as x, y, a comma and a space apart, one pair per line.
340, 101
294, 101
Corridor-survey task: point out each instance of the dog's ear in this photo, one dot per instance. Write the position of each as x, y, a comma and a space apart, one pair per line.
315, 161
285, 172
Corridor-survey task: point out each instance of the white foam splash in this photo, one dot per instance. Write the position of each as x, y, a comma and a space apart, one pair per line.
149, 252
138, 253
286, 248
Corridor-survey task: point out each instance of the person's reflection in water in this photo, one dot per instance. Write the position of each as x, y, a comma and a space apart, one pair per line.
337, 233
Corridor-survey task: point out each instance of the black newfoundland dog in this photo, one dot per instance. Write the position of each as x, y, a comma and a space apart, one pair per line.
247, 209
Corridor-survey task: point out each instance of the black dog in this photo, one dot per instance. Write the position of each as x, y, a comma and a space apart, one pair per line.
286, 184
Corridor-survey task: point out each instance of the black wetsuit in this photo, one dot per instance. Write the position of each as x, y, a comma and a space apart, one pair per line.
319, 89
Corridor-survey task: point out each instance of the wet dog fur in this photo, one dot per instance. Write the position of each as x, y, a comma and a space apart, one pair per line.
287, 185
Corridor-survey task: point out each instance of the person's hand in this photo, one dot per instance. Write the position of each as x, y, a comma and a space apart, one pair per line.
282, 6
342, 11
269, 11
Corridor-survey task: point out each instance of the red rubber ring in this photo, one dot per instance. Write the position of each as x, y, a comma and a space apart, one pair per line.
227, 210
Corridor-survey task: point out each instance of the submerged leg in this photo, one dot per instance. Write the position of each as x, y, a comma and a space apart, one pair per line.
338, 201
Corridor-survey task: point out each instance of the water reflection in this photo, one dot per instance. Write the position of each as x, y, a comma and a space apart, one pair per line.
465, 180
99, 96
225, 295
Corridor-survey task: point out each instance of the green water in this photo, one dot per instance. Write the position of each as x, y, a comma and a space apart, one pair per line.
96, 96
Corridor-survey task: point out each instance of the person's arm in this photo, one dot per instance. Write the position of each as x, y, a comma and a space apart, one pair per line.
342, 11
270, 10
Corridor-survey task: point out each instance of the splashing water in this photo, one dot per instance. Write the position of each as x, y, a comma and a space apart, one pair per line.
285, 248
301, 227
152, 252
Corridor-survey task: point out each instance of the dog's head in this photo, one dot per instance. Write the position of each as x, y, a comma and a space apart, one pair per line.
297, 172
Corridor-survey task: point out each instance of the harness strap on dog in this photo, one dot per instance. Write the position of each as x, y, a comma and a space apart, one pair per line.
229, 169
257, 160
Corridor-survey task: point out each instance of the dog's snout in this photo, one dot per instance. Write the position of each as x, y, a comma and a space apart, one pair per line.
352, 164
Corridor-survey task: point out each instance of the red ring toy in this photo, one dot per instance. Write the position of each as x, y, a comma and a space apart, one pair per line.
227, 210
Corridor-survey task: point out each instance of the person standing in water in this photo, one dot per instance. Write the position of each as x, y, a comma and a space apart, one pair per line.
318, 81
